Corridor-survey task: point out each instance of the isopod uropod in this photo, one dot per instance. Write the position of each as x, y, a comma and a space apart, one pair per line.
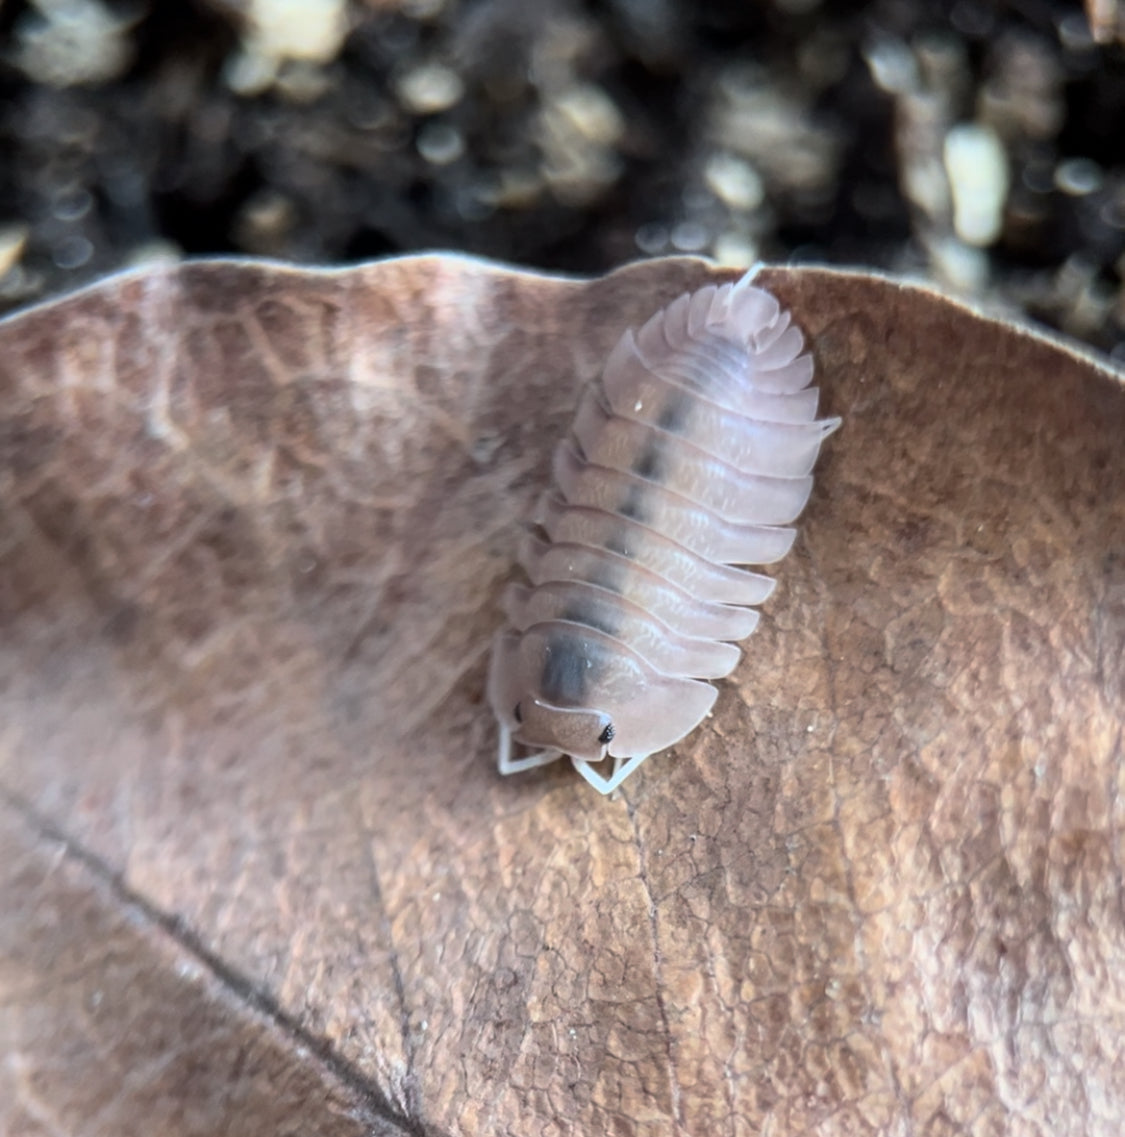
690, 455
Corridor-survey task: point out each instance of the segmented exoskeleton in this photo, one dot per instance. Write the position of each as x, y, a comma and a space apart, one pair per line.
688, 456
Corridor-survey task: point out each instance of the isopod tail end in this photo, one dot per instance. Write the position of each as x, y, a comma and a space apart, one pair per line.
749, 310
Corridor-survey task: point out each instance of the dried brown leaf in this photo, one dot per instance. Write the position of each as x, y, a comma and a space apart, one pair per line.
259, 873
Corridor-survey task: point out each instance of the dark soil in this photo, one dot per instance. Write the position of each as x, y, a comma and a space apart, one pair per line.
574, 136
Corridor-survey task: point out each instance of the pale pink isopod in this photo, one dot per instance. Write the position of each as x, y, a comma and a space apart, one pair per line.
689, 456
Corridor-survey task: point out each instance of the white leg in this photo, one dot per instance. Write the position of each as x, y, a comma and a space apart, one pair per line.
506, 764
622, 768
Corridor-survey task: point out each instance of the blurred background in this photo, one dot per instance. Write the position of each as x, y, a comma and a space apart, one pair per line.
977, 144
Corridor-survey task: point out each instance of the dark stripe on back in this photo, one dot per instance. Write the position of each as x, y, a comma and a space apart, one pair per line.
615, 544
567, 670
650, 461
589, 614
633, 505
674, 414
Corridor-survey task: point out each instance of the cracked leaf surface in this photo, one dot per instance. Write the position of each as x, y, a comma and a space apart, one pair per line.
253, 524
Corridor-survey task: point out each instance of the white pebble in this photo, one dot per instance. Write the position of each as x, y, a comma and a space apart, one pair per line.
977, 168
313, 30
734, 182
429, 88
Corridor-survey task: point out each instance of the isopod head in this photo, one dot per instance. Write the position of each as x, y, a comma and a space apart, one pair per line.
540, 685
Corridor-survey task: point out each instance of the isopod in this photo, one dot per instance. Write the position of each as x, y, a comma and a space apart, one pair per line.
689, 456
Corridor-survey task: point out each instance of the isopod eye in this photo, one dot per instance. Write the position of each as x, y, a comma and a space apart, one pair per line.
606, 735
517, 714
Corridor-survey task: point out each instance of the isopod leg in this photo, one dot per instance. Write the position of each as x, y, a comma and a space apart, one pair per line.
506, 764
622, 768
542, 758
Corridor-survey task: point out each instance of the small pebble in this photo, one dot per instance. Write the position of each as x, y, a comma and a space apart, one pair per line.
735, 250
265, 222
652, 239
592, 113
13, 241
312, 30
689, 237
440, 144
429, 89
1078, 176
68, 43
734, 182
72, 252
958, 266
977, 167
